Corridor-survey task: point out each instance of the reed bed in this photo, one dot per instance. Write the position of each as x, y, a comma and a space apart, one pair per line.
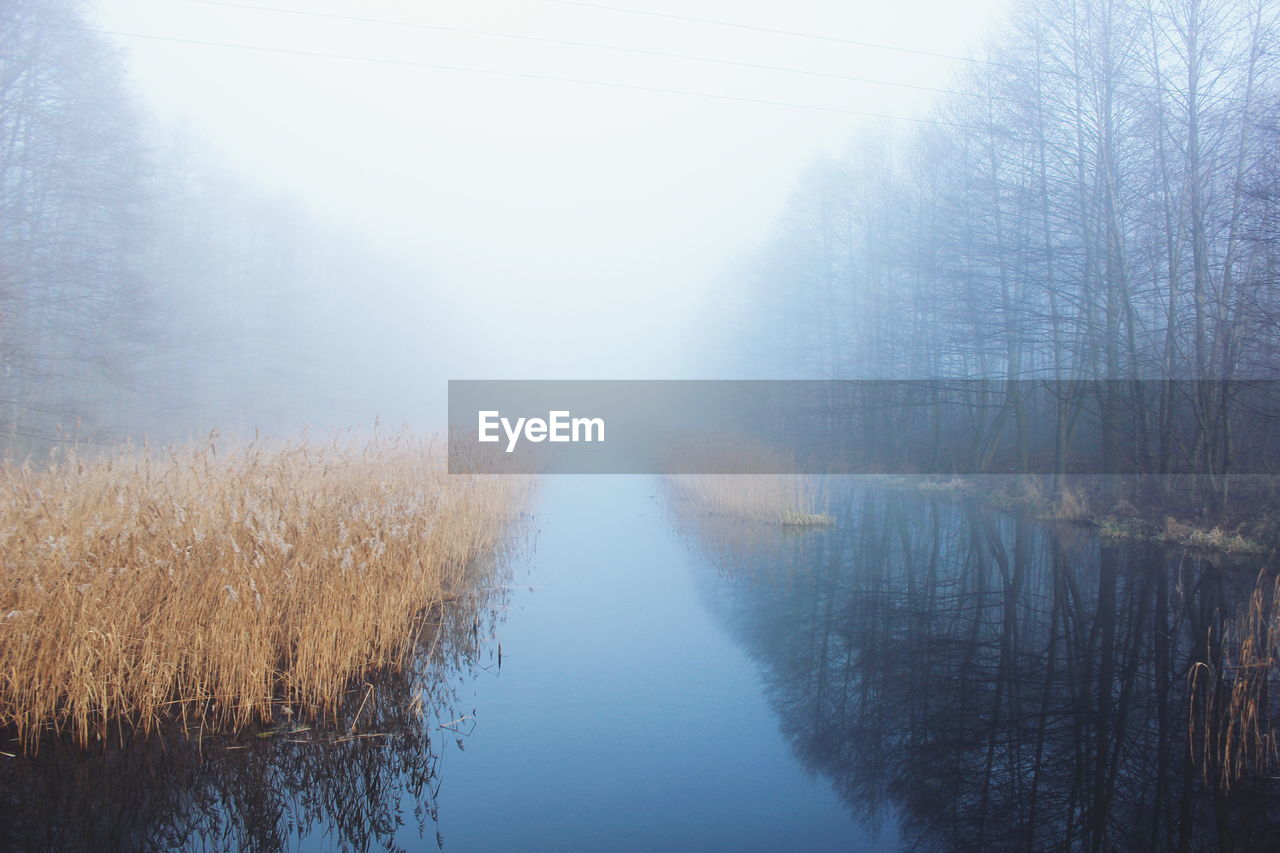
790, 500
220, 589
1235, 730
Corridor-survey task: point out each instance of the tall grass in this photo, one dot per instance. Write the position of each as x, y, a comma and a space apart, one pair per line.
220, 589
1235, 731
792, 500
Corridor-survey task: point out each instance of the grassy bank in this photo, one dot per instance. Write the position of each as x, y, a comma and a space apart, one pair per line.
788, 500
221, 589
1250, 526
768, 495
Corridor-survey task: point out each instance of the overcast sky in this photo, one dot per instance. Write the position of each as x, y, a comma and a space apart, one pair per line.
575, 225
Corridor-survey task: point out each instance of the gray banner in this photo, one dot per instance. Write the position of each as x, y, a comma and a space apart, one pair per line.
861, 427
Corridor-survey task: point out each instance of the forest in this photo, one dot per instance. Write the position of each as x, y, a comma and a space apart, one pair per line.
148, 290
1097, 197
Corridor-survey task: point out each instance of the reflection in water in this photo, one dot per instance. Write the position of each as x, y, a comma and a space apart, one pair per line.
348, 783
996, 683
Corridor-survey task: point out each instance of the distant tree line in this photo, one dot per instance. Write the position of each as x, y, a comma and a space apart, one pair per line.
1098, 198
143, 289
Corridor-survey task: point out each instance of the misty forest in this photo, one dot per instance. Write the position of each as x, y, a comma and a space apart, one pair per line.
250, 599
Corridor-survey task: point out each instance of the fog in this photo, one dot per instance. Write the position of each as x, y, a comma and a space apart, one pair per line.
567, 229
223, 214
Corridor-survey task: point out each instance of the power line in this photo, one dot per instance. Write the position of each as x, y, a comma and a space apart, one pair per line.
696, 58
503, 73
1055, 72
584, 44
792, 33
707, 59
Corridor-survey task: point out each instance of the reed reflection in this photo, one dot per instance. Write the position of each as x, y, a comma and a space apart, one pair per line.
999, 683
347, 783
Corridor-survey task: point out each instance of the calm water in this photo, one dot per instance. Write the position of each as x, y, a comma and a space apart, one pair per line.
922, 675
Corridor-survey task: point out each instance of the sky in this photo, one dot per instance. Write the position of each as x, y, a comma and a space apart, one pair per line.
570, 229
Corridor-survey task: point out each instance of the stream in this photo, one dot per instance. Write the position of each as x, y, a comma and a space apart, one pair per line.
924, 674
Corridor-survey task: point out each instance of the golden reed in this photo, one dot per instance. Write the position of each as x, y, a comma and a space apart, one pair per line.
775, 498
221, 588
1235, 718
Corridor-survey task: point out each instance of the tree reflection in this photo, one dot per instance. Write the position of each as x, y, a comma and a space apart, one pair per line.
997, 683
352, 781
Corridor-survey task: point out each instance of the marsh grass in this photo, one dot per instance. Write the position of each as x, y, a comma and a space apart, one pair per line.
354, 781
1214, 538
789, 500
782, 499
218, 589
1233, 731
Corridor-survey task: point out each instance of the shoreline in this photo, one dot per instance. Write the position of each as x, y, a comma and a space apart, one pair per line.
1123, 521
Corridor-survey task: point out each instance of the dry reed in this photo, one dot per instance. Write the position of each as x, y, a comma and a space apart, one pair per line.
791, 500
219, 588
1214, 539
1233, 729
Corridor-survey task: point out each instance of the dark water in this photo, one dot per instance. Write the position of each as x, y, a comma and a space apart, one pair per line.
996, 683
922, 675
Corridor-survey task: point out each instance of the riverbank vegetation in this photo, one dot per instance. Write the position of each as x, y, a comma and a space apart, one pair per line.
217, 587
786, 500
367, 773
1234, 700
1110, 509
768, 495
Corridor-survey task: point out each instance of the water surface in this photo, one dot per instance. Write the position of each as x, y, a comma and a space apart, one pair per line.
625, 717
924, 675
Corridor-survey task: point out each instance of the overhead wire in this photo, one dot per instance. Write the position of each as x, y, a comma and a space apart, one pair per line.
502, 73
883, 46
777, 31
736, 25
597, 46
639, 51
